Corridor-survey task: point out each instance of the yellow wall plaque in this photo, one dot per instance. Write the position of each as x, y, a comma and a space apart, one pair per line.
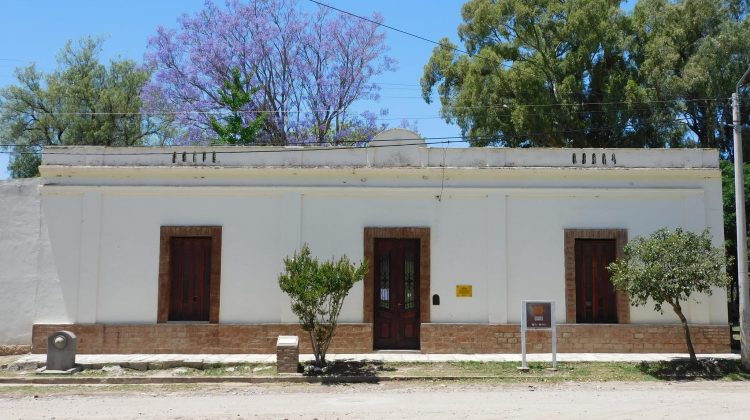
463, 290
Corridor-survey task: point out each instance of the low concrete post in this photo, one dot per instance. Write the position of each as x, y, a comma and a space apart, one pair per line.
61, 351
287, 354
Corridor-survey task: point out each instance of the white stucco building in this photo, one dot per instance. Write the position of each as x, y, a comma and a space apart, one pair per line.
179, 249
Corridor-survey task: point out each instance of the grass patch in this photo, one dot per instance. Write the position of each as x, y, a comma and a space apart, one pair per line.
247, 369
709, 369
538, 372
507, 372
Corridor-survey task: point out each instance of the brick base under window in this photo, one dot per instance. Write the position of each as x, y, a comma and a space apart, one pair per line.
357, 338
197, 338
573, 338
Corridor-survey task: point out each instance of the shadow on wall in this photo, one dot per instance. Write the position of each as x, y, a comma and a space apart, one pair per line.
25, 259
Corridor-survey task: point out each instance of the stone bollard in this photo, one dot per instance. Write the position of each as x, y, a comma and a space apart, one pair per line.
287, 354
61, 351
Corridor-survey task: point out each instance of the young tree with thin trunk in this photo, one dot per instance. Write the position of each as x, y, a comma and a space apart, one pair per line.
668, 268
317, 291
235, 128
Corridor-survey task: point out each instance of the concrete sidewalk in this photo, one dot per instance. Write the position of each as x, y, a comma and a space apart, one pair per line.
197, 360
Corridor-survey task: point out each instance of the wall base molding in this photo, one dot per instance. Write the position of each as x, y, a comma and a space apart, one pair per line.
574, 338
183, 338
357, 338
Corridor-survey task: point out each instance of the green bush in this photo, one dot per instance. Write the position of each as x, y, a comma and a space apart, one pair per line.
667, 267
317, 291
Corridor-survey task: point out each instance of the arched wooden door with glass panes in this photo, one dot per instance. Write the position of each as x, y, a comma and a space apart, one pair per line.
396, 305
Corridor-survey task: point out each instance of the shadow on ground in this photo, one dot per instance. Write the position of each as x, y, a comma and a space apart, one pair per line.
358, 368
706, 368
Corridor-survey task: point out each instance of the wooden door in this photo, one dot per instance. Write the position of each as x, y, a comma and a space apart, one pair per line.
595, 296
189, 278
396, 297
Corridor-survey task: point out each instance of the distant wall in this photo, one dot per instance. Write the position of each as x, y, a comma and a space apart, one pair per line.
29, 283
19, 259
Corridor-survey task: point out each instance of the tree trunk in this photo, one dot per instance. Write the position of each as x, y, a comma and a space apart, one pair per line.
678, 310
314, 344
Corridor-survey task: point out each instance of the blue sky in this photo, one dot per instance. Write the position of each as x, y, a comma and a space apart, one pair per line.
36, 34
36, 31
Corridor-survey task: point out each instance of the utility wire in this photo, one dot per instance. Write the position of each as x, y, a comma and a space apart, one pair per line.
386, 26
429, 141
413, 35
270, 149
443, 45
662, 123
501, 107
625, 125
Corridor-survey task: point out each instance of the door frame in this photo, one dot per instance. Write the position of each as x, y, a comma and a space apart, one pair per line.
421, 233
166, 235
594, 281
621, 238
396, 315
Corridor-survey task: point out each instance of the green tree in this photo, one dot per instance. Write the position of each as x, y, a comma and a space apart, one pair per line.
239, 127
317, 291
81, 102
543, 73
24, 162
730, 223
584, 73
668, 267
690, 54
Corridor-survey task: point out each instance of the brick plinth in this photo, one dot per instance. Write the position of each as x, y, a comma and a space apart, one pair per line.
573, 338
357, 338
287, 354
197, 338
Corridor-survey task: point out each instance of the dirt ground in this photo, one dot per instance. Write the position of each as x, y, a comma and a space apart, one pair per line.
413, 400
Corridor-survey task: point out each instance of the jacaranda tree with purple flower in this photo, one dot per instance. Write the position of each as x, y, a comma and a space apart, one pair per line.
308, 68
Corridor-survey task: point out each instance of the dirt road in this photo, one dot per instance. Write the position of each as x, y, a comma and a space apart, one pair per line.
698, 400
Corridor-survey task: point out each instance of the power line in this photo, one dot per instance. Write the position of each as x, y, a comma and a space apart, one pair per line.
502, 106
443, 45
384, 25
411, 85
413, 35
15, 60
272, 149
657, 123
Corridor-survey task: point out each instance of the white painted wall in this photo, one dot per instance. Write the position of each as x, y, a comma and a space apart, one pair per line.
536, 235
30, 290
87, 249
497, 218
19, 250
505, 242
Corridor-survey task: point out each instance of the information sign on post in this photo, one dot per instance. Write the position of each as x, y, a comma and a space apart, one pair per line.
538, 315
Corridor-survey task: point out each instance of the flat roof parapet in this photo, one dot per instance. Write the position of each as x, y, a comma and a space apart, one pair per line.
388, 156
390, 148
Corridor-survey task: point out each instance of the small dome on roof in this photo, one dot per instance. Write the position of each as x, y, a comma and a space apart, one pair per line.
393, 136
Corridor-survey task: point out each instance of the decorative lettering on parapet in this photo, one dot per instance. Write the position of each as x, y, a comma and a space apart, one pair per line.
194, 157
593, 157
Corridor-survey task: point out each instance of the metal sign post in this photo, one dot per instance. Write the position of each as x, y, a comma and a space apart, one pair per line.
538, 315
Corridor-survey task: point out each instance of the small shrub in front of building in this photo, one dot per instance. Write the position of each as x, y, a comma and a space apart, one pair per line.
317, 290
